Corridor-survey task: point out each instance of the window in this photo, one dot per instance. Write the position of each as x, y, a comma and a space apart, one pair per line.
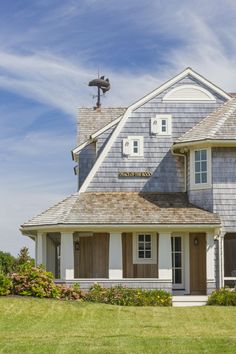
133, 146
200, 168
230, 260
144, 248
177, 261
200, 157
161, 124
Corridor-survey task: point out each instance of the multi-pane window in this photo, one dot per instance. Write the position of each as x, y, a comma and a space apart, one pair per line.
200, 160
177, 264
164, 125
135, 147
144, 246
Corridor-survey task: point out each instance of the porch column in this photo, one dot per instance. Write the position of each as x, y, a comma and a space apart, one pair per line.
165, 263
67, 256
115, 256
210, 262
41, 249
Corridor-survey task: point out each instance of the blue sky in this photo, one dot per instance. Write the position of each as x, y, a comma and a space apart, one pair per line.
50, 49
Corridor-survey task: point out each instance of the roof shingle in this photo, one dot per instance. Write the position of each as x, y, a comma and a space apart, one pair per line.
124, 208
219, 125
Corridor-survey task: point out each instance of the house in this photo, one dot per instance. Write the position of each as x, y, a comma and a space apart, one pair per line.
156, 200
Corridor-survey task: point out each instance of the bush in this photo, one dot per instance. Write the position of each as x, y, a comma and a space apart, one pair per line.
5, 285
34, 281
23, 258
123, 296
223, 297
70, 292
7, 263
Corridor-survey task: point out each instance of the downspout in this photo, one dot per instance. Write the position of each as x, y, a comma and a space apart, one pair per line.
185, 165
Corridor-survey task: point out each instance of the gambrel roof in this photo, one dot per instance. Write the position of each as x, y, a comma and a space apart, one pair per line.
107, 208
219, 125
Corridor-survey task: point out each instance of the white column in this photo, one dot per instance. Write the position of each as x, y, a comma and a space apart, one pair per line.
115, 256
67, 256
165, 263
210, 257
41, 248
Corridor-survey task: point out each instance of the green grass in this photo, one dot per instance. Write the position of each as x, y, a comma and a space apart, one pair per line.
49, 326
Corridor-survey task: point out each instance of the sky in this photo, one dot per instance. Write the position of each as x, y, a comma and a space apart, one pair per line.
51, 49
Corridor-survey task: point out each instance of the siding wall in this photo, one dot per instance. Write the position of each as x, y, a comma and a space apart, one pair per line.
167, 170
224, 186
87, 158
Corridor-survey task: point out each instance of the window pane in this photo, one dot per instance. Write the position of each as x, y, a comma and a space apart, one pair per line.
148, 254
141, 237
197, 155
203, 154
172, 240
203, 166
204, 177
177, 243
141, 254
178, 276
197, 166
178, 260
135, 142
197, 178
148, 238
148, 245
141, 246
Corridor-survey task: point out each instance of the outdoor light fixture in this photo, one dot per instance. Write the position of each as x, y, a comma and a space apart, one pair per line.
196, 242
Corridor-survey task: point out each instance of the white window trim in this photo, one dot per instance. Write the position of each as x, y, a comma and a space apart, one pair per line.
141, 152
153, 259
207, 95
160, 117
208, 184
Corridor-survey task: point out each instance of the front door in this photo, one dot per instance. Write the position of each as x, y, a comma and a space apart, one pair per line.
197, 247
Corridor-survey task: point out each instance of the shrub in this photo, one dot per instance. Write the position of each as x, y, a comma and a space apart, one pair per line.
5, 284
34, 281
123, 296
223, 297
7, 262
70, 292
23, 258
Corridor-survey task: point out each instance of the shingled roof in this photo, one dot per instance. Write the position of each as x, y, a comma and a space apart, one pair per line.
103, 208
219, 125
91, 120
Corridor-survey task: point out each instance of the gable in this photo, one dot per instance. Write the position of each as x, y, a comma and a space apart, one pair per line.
167, 174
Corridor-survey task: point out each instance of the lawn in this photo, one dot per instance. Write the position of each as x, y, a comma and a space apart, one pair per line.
49, 326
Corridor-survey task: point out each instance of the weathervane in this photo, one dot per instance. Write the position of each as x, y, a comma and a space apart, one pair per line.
101, 84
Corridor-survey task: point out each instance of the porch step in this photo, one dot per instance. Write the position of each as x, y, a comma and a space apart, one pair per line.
189, 300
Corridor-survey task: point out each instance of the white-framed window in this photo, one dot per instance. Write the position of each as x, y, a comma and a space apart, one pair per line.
161, 124
177, 261
133, 146
144, 248
200, 168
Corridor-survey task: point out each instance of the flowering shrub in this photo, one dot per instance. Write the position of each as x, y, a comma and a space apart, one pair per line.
223, 297
123, 296
34, 281
70, 293
5, 284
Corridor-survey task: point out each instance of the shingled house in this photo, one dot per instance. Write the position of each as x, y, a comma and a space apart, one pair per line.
156, 200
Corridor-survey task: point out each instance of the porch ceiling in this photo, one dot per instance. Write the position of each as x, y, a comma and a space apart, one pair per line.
124, 208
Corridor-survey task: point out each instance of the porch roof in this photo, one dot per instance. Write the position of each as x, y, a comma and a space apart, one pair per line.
104, 208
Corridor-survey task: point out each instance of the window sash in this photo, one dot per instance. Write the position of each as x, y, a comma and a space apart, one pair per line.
145, 246
200, 166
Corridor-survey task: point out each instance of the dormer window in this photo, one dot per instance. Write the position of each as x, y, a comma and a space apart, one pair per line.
200, 161
161, 124
133, 146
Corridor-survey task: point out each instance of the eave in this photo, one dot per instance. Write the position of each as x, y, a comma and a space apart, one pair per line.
206, 143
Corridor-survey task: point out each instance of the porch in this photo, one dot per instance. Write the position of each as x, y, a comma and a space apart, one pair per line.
181, 262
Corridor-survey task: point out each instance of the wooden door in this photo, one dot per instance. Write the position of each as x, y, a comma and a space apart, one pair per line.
197, 247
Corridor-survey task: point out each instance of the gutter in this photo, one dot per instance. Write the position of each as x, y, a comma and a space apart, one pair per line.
185, 166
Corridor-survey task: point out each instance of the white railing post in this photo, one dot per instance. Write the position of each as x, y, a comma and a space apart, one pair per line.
115, 256
67, 256
41, 249
165, 262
